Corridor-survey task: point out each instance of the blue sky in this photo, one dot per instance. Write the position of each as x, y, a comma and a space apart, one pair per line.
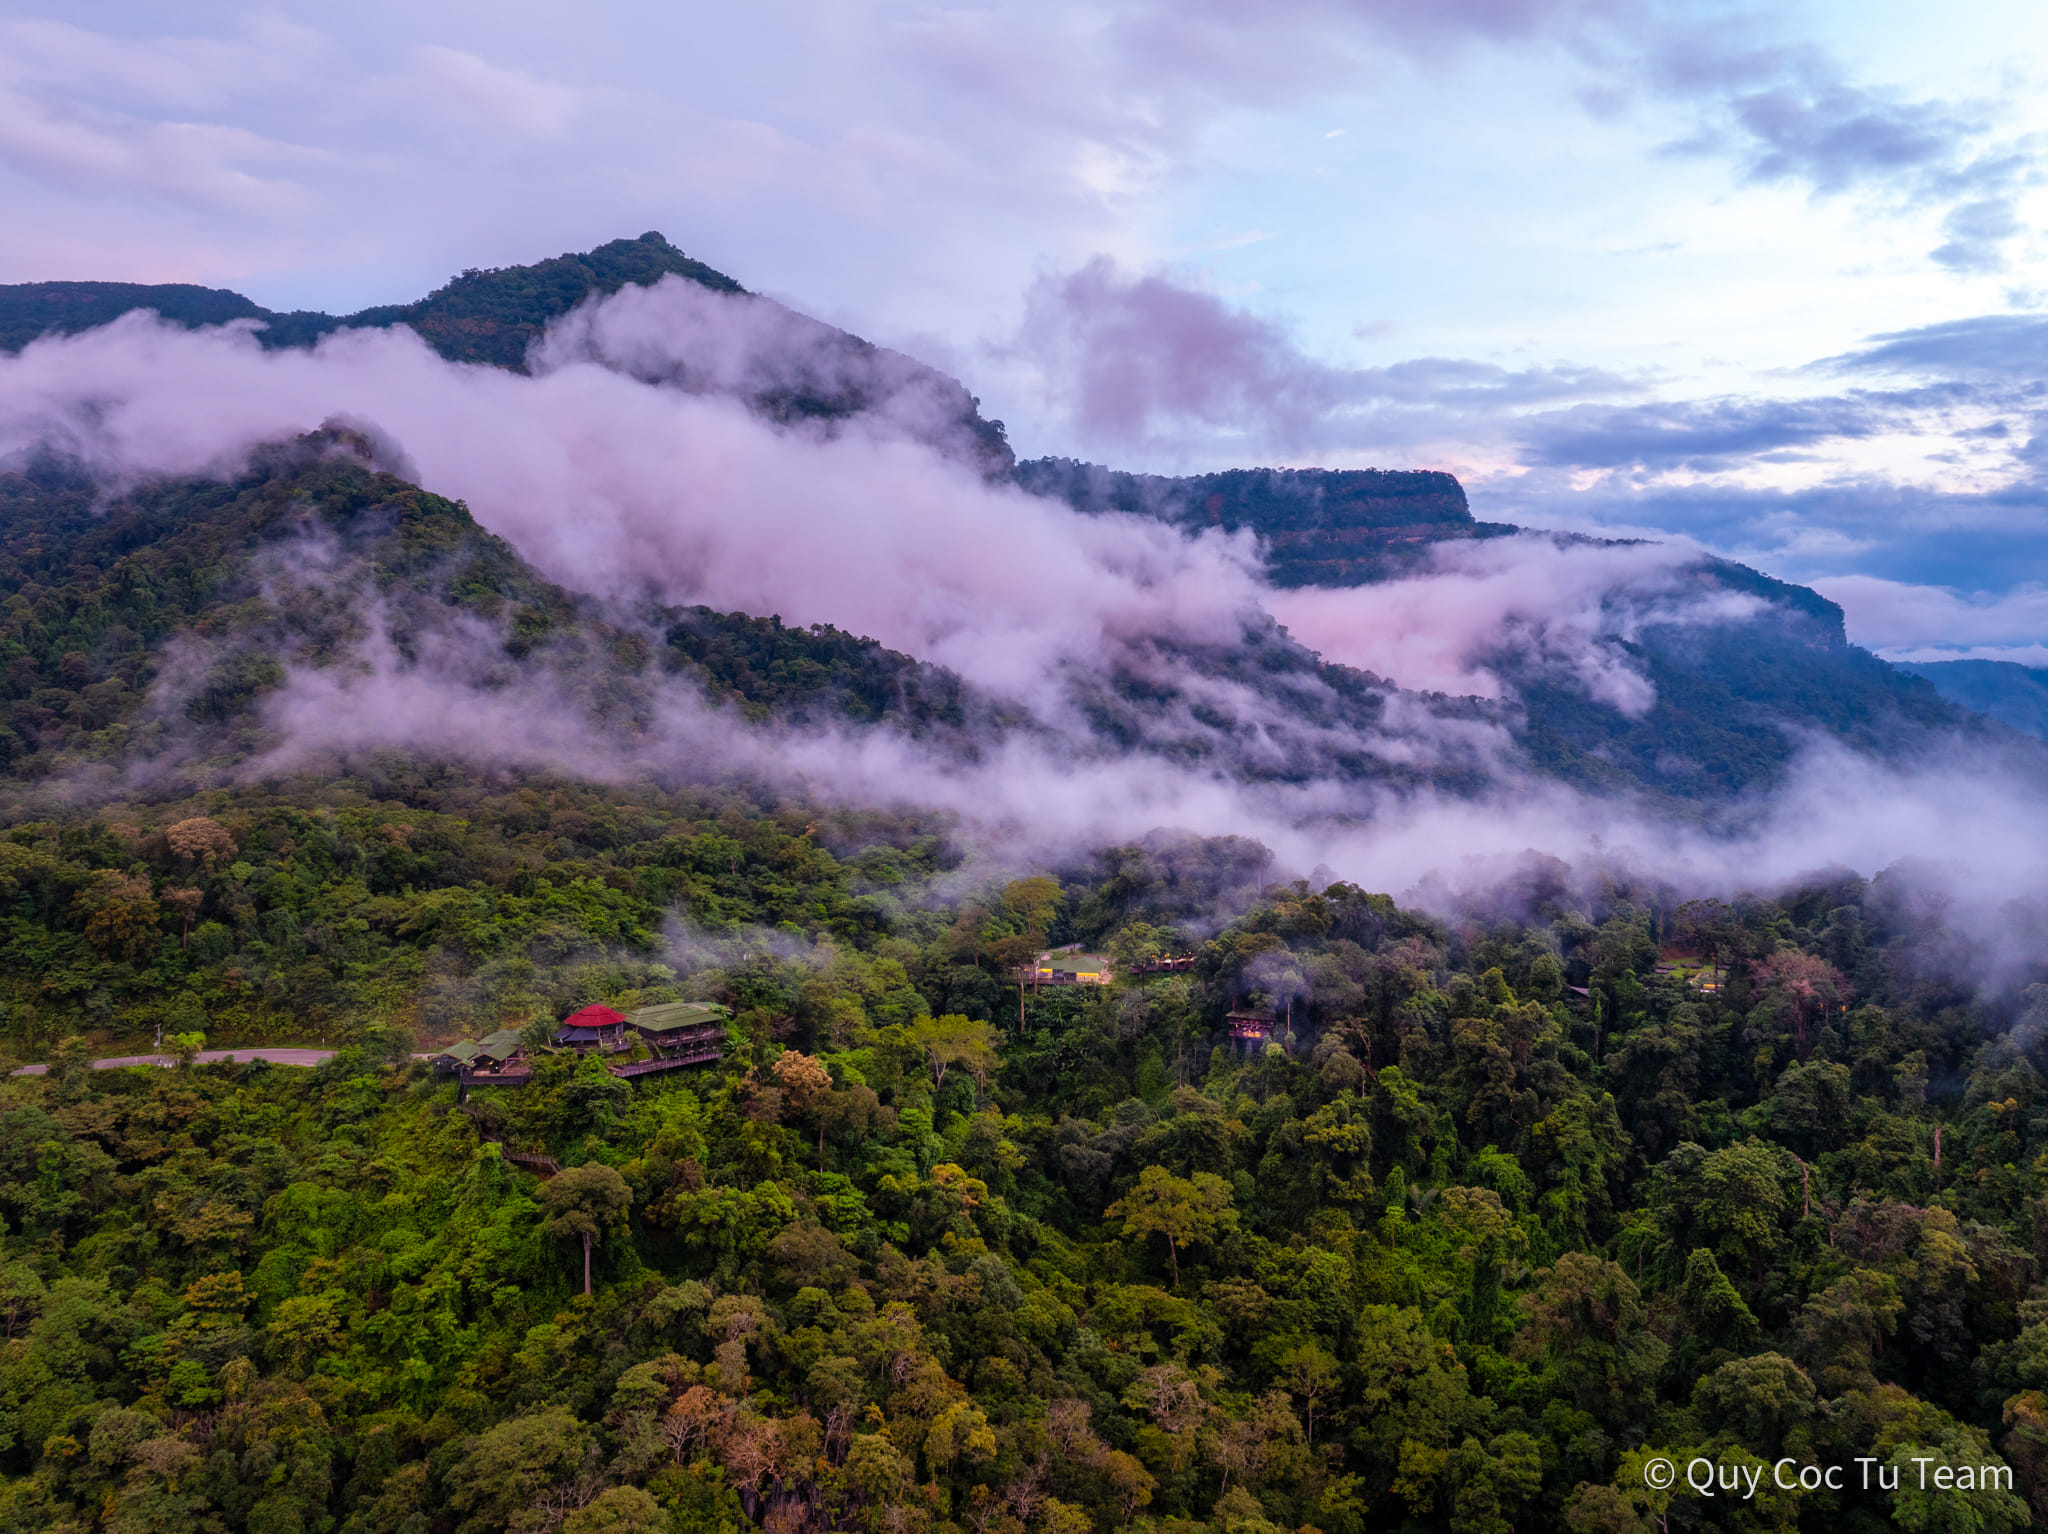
1772, 278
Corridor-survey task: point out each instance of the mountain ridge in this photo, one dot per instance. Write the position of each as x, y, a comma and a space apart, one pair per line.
1733, 698
2013, 694
492, 317
483, 314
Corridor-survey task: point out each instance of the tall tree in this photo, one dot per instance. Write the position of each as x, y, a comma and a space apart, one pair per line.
1185, 1210
945, 1042
583, 1200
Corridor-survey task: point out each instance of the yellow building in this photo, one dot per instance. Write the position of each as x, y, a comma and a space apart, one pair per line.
1069, 969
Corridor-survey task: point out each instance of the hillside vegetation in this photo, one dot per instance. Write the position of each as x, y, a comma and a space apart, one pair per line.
1459, 1250
148, 631
1354, 1219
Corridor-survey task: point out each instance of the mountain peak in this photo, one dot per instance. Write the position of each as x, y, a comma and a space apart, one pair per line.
482, 314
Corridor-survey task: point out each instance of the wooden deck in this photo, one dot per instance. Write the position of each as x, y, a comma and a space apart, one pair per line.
514, 1076
667, 1062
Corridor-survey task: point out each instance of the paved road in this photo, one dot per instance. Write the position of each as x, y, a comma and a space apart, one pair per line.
205, 1057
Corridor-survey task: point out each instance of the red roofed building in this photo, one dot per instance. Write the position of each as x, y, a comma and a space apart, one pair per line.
594, 1027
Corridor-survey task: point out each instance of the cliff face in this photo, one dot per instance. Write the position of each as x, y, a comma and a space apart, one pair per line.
1322, 527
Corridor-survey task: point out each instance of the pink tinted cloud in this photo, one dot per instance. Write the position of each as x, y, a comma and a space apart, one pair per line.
1532, 598
614, 486
1146, 363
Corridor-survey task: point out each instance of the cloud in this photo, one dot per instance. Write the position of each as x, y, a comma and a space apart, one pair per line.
180, 74
2032, 656
1541, 604
1977, 232
490, 97
1980, 346
202, 165
1790, 114
1939, 479
753, 349
1799, 122
1026, 799
1698, 434
1145, 363
1895, 617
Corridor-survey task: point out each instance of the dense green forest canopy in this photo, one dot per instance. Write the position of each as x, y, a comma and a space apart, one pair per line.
1506, 1205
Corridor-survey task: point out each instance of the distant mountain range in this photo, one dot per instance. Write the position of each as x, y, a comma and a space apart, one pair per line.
1734, 700
2012, 694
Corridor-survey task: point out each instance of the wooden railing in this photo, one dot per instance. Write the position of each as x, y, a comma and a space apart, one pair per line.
666, 1062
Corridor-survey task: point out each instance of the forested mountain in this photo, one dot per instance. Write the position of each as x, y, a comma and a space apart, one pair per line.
159, 633
2010, 693
143, 635
494, 315
1733, 700
483, 315
1329, 1214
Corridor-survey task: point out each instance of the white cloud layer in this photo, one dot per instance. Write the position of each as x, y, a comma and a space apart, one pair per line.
1543, 601
621, 487
1910, 622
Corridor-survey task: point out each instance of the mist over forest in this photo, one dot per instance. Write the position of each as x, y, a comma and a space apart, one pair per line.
1563, 1006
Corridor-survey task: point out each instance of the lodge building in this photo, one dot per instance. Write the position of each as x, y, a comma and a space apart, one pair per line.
665, 1037
1068, 967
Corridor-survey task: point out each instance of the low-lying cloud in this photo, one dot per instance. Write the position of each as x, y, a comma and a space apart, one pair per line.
1920, 623
675, 490
614, 486
1546, 603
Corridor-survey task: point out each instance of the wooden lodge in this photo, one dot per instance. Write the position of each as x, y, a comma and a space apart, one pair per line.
1068, 967
1249, 1030
676, 1034
595, 1027
493, 1061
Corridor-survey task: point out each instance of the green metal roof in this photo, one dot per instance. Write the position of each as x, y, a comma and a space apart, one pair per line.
464, 1051
499, 1048
672, 1015
1089, 962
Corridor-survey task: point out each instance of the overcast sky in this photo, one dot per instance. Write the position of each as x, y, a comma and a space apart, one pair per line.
1769, 277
